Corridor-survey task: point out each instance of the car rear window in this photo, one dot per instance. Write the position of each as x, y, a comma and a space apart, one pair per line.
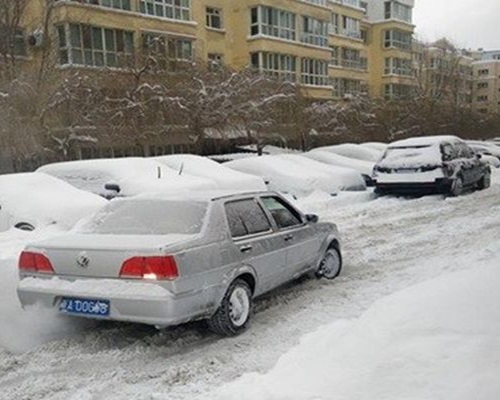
148, 217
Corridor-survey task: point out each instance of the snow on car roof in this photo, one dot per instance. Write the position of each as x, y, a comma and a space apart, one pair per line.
206, 195
424, 141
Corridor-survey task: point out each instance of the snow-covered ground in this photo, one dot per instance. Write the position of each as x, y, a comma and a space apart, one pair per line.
389, 244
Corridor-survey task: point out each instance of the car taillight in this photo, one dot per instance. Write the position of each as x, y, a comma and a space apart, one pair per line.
35, 262
154, 268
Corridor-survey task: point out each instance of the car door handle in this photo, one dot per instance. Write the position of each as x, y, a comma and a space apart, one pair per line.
246, 248
288, 237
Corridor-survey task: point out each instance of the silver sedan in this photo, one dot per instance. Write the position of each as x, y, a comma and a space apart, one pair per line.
168, 260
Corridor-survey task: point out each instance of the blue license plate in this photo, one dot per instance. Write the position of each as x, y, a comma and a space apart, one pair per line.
98, 308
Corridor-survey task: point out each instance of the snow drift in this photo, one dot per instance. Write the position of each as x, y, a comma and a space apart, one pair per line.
436, 340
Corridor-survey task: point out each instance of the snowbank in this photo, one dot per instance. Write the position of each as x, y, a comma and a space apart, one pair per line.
356, 151
436, 340
343, 178
41, 199
363, 167
134, 176
224, 178
285, 175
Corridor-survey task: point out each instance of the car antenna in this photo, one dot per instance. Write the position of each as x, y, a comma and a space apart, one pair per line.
181, 169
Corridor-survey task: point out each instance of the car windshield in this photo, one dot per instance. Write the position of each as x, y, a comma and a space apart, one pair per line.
148, 217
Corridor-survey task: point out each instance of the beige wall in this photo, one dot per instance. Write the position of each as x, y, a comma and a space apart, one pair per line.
492, 93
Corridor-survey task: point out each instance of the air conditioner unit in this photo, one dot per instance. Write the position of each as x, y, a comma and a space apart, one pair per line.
37, 38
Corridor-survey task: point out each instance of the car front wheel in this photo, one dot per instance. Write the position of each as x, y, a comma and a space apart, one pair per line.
484, 182
234, 311
331, 265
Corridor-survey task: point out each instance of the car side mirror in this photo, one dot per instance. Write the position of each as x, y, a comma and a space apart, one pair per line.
479, 156
113, 187
312, 218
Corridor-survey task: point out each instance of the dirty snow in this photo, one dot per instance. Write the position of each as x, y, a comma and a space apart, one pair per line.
390, 244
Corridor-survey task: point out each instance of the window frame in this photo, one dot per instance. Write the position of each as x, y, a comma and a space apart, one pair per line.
289, 207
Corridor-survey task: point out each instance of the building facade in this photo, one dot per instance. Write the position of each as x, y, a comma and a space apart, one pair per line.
332, 48
486, 94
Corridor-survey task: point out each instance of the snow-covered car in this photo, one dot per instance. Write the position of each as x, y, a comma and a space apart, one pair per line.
365, 168
438, 164
356, 151
32, 200
346, 179
168, 260
485, 148
225, 178
125, 176
287, 176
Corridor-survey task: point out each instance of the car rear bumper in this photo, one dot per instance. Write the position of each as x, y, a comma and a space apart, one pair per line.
141, 302
441, 185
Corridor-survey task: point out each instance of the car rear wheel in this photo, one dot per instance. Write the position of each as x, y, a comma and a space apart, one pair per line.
484, 182
457, 186
234, 311
331, 265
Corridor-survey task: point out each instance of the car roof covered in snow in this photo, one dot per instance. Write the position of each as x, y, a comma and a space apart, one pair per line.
206, 196
424, 141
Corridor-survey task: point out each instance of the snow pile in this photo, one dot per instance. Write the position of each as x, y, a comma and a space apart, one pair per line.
134, 175
224, 178
41, 199
356, 151
439, 339
284, 175
363, 167
343, 178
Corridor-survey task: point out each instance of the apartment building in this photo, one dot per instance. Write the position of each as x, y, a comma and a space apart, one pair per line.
486, 89
332, 48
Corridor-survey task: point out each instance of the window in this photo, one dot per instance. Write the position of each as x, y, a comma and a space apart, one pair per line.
214, 18
335, 60
482, 85
351, 58
279, 65
314, 31
483, 72
482, 99
167, 51
398, 91
351, 27
395, 10
314, 72
334, 27
399, 39
173, 9
283, 215
246, 217
317, 2
343, 87
93, 46
118, 4
272, 22
398, 66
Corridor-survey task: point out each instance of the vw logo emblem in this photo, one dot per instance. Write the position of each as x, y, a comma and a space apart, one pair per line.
83, 260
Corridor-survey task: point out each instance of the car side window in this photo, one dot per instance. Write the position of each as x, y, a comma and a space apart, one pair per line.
246, 217
283, 214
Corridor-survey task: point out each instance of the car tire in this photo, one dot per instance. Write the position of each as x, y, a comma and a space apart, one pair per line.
234, 312
331, 264
24, 226
484, 182
457, 186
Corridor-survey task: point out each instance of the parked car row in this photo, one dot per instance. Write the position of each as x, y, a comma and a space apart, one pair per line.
186, 238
